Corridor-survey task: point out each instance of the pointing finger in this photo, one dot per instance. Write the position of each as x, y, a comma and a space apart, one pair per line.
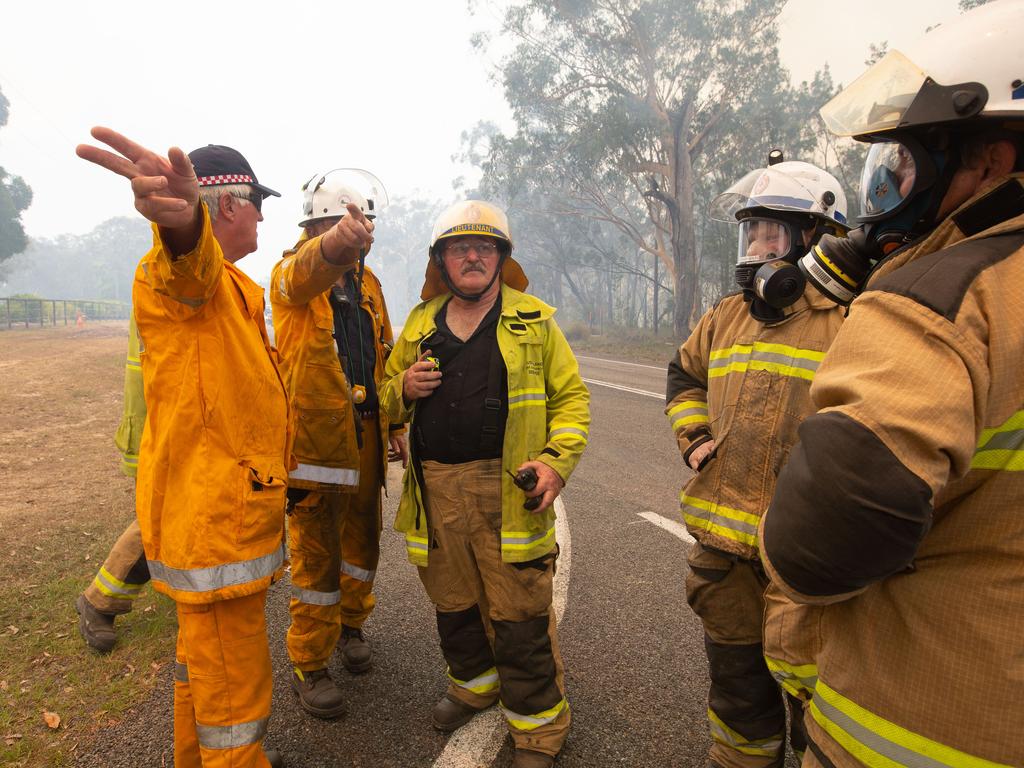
108, 160
120, 142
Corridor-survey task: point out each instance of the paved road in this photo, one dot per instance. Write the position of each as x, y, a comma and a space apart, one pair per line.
635, 666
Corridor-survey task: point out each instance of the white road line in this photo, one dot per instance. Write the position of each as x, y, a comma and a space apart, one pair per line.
676, 529
661, 368
476, 744
625, 388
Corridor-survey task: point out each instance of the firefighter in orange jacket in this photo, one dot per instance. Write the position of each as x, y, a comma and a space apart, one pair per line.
900, 510
334, 333
737, 389
212, 469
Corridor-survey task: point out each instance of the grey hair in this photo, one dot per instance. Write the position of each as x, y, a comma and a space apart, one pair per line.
211, 196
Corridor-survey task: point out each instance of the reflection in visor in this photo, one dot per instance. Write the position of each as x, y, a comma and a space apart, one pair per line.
762, 240
888, 179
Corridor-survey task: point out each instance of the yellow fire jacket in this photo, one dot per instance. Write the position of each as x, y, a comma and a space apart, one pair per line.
325, 440
744, 384
900, 511
548, 418
210, 491
133, 418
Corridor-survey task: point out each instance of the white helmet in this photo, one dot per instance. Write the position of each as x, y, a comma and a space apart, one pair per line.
786, 198
326, 195
961, 77
970, 67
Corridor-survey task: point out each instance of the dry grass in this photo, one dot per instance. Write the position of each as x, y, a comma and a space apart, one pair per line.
63, 502
631, 345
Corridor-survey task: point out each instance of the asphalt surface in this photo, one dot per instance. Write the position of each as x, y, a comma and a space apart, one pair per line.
635, 668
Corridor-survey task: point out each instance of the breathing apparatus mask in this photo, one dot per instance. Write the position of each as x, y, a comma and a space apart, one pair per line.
902, 187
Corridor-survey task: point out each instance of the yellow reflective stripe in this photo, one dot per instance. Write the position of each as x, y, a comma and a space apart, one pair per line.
114, 581
484, 683
1002, 447
570, 431
880, 743
797, 679
415, 542
520, 540
133, 365
530, 722
725, 521
688, 412
782, 359
723, 734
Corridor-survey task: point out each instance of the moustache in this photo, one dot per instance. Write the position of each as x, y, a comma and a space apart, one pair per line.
480, 269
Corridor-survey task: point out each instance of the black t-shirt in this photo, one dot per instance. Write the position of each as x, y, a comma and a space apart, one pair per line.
353, 332
449, 423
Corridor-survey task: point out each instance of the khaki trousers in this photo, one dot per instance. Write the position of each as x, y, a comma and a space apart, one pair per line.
494, 619
122, 576
745, 705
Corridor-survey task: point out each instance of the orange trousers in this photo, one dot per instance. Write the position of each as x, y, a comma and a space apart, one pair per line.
334, 539
222, 684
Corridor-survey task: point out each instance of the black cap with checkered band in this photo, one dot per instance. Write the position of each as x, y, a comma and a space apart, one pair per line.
217, 165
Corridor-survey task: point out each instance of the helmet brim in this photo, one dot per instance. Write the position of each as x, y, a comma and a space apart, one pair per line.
512, 275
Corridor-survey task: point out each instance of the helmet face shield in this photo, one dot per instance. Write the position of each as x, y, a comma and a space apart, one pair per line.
762, 239
894, 172
877, 100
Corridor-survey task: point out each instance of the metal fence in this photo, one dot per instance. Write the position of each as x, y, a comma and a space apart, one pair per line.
18, 312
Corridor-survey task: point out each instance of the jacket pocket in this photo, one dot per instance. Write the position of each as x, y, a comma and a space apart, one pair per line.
263, 503
321, 435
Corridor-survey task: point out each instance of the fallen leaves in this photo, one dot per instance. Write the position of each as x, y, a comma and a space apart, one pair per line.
11, 738
52, 719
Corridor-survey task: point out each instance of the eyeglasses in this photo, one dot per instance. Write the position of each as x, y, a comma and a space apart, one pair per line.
461, 250
253, 197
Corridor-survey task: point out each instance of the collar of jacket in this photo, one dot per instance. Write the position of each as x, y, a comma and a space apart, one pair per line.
948, 233
516, 307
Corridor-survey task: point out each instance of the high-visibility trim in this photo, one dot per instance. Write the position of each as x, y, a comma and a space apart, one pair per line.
133, 363
880, 743
217, 576
1002, 447
531, 722
577, 431
111, 586
362, 574
517, 540
312, 597
131, 459
180, 672
520, 397
723, 734
687, 412
315, 473
796, 679
762, 356
231, 736
482, 684
725, 521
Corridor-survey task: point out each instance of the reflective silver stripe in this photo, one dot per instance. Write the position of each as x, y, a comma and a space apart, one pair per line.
318, 474
231, 736
128, 591
479, 684
218, 576
415, 544
312, 597
1004, 441
714, 518
528, 396
890, 749
180, 672
529, 722
356, 572
525, 539
764, 357
567, 431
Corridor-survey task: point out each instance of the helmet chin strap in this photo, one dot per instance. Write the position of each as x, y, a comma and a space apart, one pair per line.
470, 296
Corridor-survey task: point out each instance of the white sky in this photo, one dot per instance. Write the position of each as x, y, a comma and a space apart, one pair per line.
300, 88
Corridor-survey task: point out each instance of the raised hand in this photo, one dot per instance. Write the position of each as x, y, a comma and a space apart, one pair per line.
166, 190
342, 242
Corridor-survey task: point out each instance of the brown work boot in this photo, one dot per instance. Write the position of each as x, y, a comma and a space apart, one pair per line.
527, 758
97, 628
355, 650
318, 694
449, 714
274, 758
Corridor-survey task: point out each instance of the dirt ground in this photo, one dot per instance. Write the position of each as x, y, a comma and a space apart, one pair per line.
63, 501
